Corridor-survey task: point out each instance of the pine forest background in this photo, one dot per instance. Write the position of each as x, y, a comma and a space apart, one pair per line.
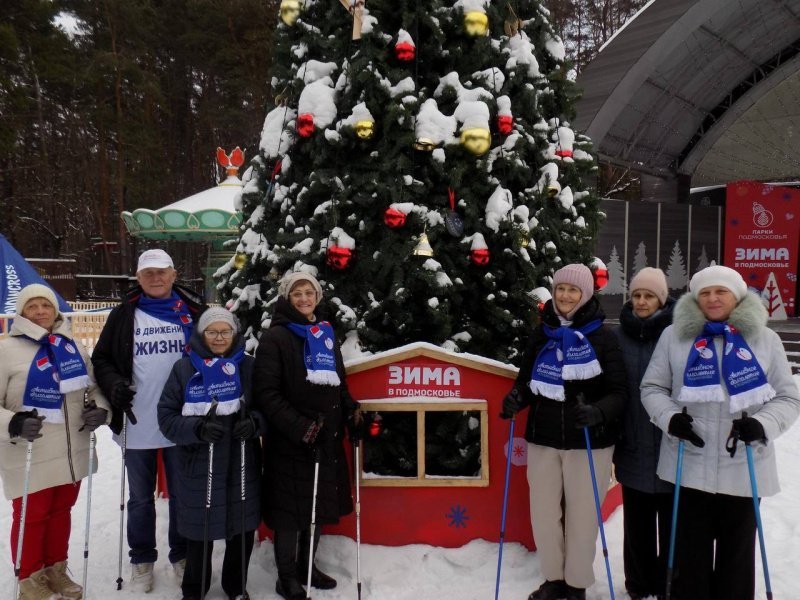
115, 105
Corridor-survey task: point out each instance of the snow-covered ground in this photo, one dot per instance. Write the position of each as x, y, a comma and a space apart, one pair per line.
412, 572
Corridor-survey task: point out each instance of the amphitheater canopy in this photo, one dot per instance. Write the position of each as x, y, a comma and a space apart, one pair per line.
705, 89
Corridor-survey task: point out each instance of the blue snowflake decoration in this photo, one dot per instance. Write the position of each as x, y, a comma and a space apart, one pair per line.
457, 516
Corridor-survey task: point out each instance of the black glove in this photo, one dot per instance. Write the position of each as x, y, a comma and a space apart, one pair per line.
512, 404
210, 429
587, 415
26, 424
680, 425
245, 428
312, 432
93, 417
122, 397
749, 430
355, 427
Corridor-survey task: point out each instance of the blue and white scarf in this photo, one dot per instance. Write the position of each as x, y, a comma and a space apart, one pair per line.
744, 378
56, 369
318, 355
172, 310
567, 355
216, 379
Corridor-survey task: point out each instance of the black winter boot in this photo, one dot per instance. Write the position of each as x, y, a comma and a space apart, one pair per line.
574, 593
289, 588
550, 590
319, 580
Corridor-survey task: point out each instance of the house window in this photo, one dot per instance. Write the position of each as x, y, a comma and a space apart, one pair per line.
425, 444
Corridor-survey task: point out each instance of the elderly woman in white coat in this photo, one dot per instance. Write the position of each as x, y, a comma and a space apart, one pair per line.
48, 397
720, 363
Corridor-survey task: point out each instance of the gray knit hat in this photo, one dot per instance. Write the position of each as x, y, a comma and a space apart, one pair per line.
216, 314
291, 279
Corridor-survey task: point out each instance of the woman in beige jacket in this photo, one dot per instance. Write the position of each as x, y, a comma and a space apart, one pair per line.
48, 397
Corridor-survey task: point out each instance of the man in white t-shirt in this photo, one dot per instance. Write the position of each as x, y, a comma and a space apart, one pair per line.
142, 339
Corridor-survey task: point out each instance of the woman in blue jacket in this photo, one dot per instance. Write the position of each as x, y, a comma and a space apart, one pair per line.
207, 401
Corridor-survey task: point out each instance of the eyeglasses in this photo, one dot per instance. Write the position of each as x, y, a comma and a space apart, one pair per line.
225, 335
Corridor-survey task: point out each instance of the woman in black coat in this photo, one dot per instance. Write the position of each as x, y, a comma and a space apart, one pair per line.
206, 403
647, 500
299, 386
572, 377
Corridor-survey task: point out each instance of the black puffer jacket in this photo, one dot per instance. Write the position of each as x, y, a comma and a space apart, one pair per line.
551, 422
225, 516
290, 403
112, 357
636, 454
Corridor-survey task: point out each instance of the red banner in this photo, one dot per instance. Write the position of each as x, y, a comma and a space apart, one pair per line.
762, 229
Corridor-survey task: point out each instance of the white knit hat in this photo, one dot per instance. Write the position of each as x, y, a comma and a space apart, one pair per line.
291, 279
652, 280
215, 314
35, 290
721, 276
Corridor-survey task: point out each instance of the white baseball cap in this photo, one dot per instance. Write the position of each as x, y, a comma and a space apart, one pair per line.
154, 259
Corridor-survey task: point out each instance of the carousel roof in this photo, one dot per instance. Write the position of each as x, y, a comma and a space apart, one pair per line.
204, 216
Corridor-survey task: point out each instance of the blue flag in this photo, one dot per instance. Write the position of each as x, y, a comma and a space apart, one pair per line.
17, 273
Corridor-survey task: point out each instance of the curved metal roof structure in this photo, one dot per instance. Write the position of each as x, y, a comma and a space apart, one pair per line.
701, 89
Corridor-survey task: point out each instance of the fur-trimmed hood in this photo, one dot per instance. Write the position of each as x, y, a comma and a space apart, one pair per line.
748, 316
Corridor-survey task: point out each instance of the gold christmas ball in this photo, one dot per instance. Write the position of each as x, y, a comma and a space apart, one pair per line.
424, 144
477, 140
476, 23
240, 260
365, 129
290, 11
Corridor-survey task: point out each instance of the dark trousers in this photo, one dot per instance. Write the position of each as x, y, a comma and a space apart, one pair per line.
715, 551
231, 566
646, 522
291, 552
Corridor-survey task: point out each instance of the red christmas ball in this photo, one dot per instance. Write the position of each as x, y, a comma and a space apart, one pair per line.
505, 124
405, 51
305, 125
376, 426
480, 256
394, 218
338, 257
600, 279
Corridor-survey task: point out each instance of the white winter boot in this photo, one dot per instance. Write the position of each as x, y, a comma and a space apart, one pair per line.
142, 578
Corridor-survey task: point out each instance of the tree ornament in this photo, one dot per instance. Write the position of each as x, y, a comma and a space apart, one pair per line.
480, 256
290, 11
394, 218
405, 51
376, 425
365, 129
423, 247
424, 145
599, 273
477, 140
564, 138
541, 295
452, 221
505, 124
339, 257
476, 23
240, 260
305, 125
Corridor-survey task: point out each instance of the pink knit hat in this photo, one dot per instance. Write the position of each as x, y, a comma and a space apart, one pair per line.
652, 280
581, 277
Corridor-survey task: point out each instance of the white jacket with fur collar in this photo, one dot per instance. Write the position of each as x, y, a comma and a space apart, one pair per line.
711, 468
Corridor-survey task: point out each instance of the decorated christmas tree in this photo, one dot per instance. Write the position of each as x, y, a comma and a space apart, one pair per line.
420, 162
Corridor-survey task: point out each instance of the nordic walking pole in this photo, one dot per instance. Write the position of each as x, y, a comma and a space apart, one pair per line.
23, 510
674, 528
211, 411
92, 442
505, 506
122, 496
757, 508
357, 473
313, 516
597, 504
245, 595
